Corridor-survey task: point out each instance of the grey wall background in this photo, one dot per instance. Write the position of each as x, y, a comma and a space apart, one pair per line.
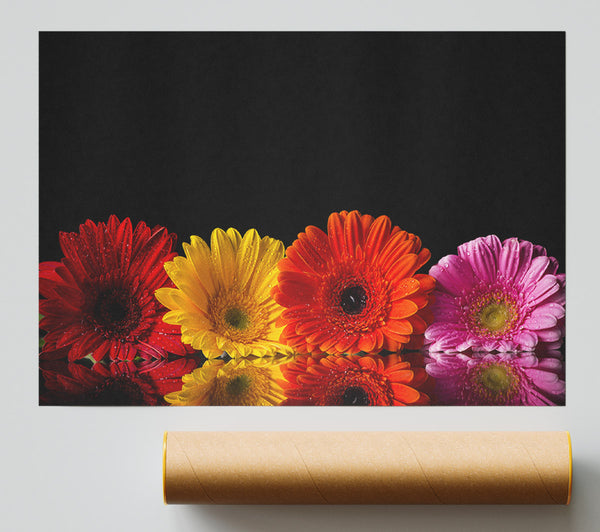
99, 469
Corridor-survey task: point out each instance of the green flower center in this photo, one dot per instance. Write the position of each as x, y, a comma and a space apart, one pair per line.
238, 385
492, 311
492, 383
495, 317
237, 318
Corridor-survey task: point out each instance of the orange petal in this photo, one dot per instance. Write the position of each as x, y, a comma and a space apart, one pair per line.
403, 308
405, 288
420, 300
399, 326
368, 342
424, 256
367, 363
427, 281
379, 233
335, 230
404, 393
404, 376
404, 267
353, 232
418, 324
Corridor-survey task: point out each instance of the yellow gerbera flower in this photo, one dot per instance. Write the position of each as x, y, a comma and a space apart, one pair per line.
242, 382
222, 301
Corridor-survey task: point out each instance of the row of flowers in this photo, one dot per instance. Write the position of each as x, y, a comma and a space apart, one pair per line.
125, 304
334, 380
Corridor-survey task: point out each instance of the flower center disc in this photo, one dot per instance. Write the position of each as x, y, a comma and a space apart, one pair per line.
238, 385
492, 384
494, 317
237, 318
355, 396
496, 379
115, 312
353, 300
117, 391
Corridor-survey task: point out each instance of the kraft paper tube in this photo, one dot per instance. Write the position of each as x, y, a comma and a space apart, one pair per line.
367, 467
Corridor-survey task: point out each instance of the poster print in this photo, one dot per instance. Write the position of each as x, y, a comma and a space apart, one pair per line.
302, 219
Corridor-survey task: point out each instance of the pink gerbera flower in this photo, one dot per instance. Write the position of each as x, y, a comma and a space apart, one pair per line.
497, 296
497, 379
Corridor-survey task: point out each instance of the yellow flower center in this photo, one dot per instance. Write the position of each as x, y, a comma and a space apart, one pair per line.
246, 386
496, 378
491, 383
238, 385
492, 312
238, 317
495, 317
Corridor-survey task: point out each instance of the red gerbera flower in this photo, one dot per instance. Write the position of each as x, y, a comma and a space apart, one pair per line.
121, 383
353, 380
100, 297
355, 288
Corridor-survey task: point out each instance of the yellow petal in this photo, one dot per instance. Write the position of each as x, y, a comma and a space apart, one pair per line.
199, 254
223, 255
235, 237
164, 296
247, 256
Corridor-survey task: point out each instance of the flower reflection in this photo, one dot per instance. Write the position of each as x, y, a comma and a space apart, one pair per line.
245, 382
530, 379
353, 380
117, 383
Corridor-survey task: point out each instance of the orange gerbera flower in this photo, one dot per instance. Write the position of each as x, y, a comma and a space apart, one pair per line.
353, 289
353, 380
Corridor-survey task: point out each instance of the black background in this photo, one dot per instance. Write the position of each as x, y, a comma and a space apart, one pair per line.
452, 135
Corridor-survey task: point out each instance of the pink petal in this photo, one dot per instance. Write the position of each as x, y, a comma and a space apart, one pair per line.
553, 266
550, 364
544, 288
488, 345
453, 275
535, 399
437, 371
508, 260
534, 274
527, 360
539, 251
555, 388
537, 322
543, 379
481, 258
552, 309
445, 312
447, 342
493, 242
506, 346
526, 339
525, 253
549, 335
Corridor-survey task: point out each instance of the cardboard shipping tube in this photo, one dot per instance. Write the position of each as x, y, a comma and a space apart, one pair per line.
367, 467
